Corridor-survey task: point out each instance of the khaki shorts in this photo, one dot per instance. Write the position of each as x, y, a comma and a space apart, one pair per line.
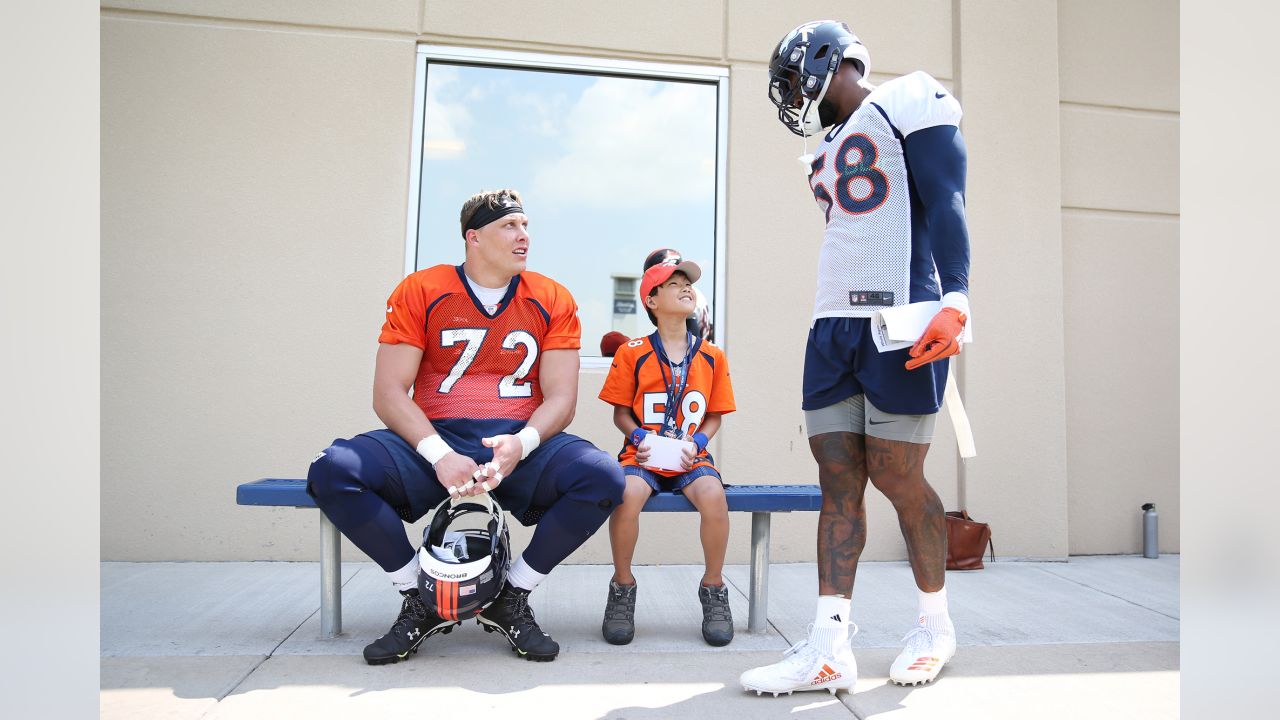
857, 415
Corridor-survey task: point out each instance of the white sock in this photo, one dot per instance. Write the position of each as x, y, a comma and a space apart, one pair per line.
933, 612
830, 622
833, 611
933, 603
524, 577
406, 578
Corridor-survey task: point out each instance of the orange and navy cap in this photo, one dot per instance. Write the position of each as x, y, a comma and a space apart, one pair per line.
659, 273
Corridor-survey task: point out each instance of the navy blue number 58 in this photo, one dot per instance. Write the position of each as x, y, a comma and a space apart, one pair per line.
847, 172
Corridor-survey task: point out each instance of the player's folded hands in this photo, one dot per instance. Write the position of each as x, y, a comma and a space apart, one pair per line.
486, 478
941, 339
454, 471
507, 451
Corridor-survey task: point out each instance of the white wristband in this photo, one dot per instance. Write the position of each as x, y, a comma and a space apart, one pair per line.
957, 300
433, 447
529, 440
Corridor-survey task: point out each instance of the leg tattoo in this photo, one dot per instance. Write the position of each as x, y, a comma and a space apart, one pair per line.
842, 523
897, 470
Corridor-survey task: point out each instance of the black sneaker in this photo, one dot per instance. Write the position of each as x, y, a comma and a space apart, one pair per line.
511, 615
619, 625
414, 624
717, 620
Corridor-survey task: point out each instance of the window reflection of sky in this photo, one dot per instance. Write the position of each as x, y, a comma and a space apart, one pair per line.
610, 168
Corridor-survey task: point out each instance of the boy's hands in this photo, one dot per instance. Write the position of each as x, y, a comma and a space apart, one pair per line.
688, 455
642, 454
636, 438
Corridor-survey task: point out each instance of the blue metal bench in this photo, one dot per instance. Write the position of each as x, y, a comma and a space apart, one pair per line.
759, 500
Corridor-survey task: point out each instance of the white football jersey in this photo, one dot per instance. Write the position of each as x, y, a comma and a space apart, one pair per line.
860, 180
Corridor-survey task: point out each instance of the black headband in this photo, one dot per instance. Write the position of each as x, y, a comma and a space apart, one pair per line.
485, 214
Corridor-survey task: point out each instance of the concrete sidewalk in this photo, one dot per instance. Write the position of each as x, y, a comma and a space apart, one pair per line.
1095, 637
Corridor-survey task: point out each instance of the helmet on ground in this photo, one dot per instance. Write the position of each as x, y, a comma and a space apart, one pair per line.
801, 67
464, 557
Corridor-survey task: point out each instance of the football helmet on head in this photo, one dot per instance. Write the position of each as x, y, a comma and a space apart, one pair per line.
464, 557
801, 67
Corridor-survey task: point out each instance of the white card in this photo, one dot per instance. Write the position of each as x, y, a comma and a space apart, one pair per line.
900, 327
666, 453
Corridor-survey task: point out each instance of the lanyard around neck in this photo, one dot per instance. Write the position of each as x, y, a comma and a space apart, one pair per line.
676, 383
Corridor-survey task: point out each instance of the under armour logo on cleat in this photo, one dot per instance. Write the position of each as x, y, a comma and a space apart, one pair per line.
416, 632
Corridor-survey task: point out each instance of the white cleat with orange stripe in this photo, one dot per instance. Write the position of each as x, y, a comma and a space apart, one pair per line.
923, 657
805, 667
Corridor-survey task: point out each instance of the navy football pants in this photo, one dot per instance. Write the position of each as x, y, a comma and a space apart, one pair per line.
358, 486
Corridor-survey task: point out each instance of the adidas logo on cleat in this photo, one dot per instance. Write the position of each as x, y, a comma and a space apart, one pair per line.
825, 675
924, 663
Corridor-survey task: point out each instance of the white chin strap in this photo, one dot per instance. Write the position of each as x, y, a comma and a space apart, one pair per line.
810, 126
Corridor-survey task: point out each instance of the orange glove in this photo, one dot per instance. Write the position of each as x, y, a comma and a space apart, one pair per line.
941, 339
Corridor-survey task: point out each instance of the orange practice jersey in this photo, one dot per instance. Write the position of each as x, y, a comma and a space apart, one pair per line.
479, 374
636, 380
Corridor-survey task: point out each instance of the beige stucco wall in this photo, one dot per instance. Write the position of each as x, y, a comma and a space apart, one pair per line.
254, 188
1119, 110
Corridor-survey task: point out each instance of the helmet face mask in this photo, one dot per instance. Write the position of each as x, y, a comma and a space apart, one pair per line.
464, 557
801, 69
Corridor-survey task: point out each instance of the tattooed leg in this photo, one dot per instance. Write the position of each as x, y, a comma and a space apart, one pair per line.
842, 524
897, 470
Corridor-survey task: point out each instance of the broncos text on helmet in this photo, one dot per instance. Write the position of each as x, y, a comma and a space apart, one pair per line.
463, 568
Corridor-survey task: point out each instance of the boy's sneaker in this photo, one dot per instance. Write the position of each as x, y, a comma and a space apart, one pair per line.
414, 624
511, 615
923, 657
619, 625
717, 620
805, 667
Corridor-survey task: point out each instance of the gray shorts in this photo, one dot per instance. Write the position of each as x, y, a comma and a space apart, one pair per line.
858, 415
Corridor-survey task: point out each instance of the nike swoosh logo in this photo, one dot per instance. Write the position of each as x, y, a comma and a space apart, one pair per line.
939, 95
881, 422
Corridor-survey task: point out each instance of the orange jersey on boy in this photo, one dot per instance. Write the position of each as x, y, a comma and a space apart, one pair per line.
638, 380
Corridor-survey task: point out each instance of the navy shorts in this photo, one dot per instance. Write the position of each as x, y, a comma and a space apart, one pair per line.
841, 361
673, 484
515, 493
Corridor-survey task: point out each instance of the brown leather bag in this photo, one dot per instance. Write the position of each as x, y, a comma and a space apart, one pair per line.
966, 541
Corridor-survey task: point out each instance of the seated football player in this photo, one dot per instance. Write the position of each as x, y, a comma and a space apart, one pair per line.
490, 351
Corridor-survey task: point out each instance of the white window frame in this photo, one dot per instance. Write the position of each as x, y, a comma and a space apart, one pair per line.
628, 68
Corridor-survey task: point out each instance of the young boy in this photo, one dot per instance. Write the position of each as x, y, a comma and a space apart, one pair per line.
676, 385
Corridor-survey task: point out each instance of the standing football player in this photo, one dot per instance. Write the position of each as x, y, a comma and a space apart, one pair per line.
491, 352
889, 178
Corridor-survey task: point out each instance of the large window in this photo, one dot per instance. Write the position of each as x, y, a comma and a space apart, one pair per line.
614, 159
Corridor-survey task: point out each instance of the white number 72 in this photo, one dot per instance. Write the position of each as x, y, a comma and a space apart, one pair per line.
474, 337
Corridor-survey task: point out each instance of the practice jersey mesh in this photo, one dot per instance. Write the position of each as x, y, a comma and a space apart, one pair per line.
860, 181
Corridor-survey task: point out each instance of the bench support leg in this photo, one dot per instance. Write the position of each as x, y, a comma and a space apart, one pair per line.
330, 579
758, 616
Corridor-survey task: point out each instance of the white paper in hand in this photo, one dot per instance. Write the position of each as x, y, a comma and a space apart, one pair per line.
900, 327
666, 453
